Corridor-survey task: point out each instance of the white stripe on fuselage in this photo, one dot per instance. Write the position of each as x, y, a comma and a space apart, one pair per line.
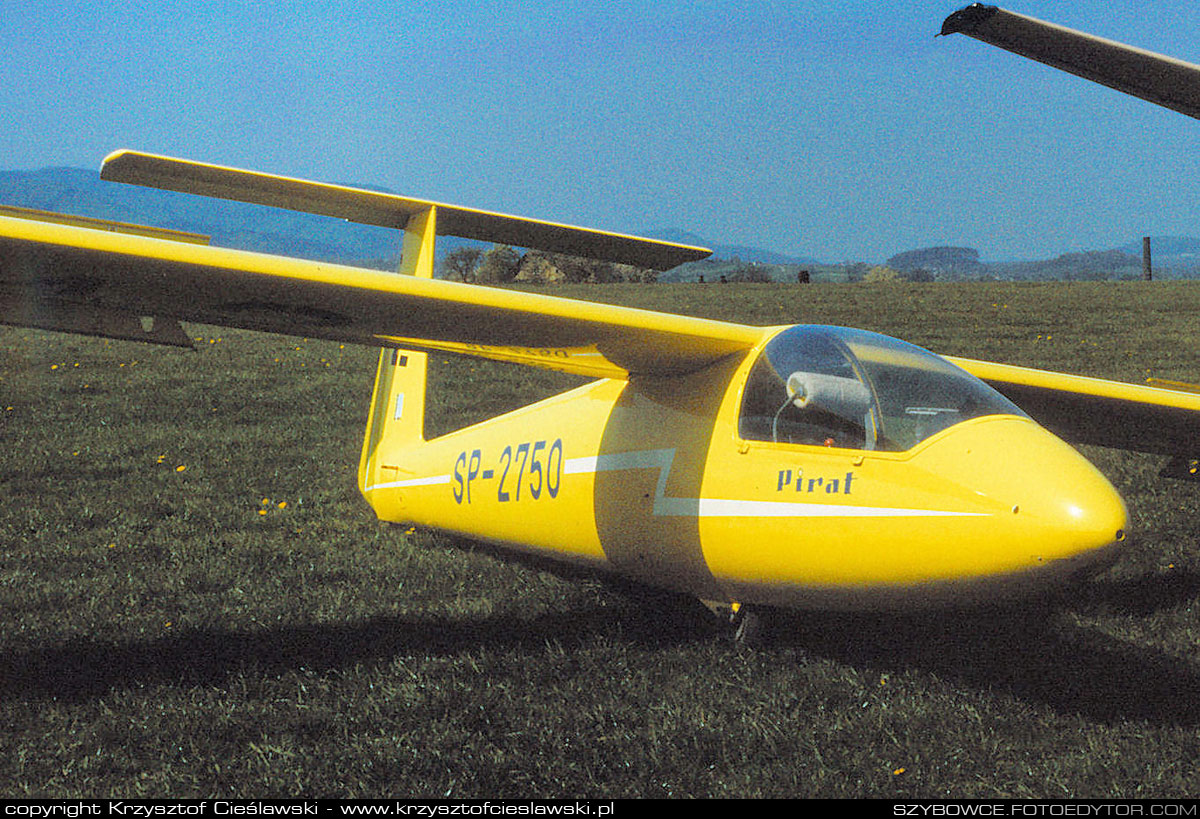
662, 459
434, 480
730, 507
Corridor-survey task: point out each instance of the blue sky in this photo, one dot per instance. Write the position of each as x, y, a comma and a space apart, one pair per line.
844, 130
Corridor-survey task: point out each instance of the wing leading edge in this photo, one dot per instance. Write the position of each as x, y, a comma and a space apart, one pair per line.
49, 269
91, 274
1087, 410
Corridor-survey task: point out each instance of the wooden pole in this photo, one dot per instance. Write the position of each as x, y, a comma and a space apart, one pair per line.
1146, 258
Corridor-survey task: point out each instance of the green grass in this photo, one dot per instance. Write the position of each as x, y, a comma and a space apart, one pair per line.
163, 638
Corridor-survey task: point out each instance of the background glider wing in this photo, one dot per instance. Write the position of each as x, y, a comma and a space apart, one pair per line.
100, 278
1095, 411
1080, 409
1163, 80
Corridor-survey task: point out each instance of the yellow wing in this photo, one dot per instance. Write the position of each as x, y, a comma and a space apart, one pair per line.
104, 278
1166, 81
1084, 410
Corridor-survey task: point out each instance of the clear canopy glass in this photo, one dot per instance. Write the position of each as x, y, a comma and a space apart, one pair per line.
839, 387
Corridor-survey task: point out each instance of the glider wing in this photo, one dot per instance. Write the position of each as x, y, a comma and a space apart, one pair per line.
1085, 410
89, 280
1165, 81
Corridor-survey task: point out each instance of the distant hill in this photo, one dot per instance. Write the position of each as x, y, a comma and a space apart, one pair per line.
289, 233
1095, 265
231, 224
726, 252
1172, 252
1176, 257
940, 262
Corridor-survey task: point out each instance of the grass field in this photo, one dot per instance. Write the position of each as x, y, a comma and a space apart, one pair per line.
197, 603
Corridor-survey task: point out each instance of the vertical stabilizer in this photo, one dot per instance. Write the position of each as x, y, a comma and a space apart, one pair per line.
397, 417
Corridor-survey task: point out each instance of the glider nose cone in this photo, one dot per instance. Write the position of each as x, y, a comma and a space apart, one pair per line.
1083, 517
1053, 513
1068, 508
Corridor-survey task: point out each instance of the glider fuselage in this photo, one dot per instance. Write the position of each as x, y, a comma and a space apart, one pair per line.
678, 482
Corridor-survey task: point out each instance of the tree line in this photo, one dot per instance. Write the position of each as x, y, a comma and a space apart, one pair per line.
501, 264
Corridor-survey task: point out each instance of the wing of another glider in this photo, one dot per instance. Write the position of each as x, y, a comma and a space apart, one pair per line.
49, 271
1165, 81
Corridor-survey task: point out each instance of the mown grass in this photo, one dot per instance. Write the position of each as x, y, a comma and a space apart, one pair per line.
197, 603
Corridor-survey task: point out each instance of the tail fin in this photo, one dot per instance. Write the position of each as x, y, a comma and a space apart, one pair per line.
397, 416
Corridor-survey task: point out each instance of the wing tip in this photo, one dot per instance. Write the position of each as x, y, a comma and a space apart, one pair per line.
113, 161
968, 19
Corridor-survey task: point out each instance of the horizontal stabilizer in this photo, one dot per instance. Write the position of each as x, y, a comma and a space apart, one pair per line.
388, 210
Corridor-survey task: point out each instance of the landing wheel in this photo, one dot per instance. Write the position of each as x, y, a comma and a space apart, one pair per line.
751, 626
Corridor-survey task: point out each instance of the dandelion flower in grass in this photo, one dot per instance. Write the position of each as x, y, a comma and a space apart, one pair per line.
181, 467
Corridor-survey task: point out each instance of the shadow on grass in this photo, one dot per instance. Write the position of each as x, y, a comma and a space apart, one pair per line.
1138, 596
85, 668
1032, 653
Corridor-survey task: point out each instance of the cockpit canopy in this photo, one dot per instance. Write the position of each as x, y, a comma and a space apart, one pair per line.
838, 387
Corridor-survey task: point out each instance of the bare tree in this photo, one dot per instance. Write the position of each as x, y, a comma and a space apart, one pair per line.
498, 265
461, 264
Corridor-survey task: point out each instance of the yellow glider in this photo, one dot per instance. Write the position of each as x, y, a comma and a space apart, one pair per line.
758, 466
